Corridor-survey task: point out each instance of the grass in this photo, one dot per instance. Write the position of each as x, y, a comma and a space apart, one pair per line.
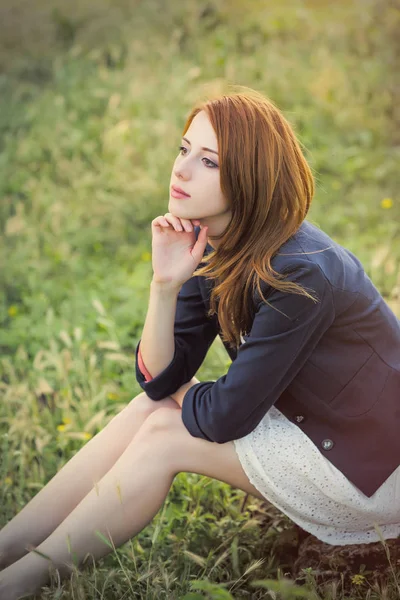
88, 138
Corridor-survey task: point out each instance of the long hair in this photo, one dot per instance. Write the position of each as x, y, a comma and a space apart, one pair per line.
269, 186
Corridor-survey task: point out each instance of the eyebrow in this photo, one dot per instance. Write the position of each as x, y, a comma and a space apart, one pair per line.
203, 148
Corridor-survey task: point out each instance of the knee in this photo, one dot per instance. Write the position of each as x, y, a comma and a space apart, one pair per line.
162, 420
141, 399
146, 406
141, 404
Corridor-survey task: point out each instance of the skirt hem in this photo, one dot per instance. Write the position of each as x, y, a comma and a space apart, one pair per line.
248, 467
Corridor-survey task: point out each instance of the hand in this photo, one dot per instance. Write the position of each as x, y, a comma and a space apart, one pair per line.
175, 252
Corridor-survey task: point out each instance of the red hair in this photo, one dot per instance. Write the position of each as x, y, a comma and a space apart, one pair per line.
269, 187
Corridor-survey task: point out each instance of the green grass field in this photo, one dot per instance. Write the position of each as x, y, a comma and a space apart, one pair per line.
93, 98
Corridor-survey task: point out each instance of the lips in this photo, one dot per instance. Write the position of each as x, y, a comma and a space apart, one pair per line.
179, 191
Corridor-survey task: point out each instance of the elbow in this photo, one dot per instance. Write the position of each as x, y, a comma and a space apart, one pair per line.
153, 394
223, 434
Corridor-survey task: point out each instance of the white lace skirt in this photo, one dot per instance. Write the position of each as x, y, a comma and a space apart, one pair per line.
290, 471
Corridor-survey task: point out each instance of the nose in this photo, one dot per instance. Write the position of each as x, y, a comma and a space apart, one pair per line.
181, 173
182, 168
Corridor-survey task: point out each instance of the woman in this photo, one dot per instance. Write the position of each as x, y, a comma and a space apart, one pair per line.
306, 416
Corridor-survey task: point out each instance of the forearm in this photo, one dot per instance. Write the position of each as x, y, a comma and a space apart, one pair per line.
180, 394
157, 345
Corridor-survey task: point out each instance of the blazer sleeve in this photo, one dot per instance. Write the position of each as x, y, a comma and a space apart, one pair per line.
142, 366
194, 332
275, 350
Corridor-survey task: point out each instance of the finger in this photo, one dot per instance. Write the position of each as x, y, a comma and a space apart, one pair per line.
187, 224
200, 245
160, 222
175, 222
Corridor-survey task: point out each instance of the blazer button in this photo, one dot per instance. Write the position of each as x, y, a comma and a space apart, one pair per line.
327, 444
299, 418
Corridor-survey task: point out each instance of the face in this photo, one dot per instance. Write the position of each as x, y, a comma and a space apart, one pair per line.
196, 172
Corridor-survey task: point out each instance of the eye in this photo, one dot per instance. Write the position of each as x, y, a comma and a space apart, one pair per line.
210, 162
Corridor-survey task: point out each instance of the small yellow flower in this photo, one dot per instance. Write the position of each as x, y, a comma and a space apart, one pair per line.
87, 435
60, 427
146, 256
8, 480
66, 420
358, 579
387, 203
112, 396
12, 311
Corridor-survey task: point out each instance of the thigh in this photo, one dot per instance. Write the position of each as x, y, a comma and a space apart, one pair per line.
168, 439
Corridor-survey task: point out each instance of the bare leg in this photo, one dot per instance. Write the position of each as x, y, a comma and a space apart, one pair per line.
53, 503
126, 499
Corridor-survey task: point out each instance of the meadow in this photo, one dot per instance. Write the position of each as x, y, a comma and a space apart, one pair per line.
93, 98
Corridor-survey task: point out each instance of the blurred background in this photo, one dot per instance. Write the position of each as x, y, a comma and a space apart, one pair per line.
93, 99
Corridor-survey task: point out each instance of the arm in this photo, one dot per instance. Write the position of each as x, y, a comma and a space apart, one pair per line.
157, 346
276, 348
188, 332
159, 328
179, 394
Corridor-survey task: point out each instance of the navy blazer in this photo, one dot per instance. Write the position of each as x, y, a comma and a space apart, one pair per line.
332, 367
